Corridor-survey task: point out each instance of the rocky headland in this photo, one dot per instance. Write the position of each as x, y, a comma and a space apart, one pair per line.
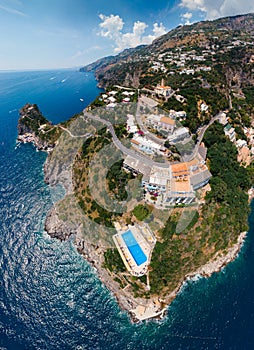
208, 63
35, 128
30, 126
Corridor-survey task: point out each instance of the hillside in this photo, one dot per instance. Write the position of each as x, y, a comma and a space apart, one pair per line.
211, 61
225, 45
201, 76
209, 35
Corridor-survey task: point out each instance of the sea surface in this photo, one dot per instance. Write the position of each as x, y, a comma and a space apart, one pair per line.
50, 298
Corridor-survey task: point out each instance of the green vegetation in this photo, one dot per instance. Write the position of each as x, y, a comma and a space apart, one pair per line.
141, 211
113, 261
120, 130
33, 118
249, 94
229, 183
174, 255
250, 170
218, 224
172, 103
34, 121
223, 163
117, 181
87, 203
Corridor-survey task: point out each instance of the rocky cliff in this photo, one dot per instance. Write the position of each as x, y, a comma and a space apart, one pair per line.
132, 65
34, 127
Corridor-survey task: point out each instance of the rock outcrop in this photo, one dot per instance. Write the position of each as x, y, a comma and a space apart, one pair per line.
35, 128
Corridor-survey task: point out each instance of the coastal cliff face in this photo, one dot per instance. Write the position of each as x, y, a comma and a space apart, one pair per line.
34, 127
94, 254
133, 67
56, 228
232, 71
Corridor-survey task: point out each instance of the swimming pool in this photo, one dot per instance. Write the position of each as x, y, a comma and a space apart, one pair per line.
134, 248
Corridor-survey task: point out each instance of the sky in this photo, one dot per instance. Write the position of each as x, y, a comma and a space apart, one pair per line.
52, 34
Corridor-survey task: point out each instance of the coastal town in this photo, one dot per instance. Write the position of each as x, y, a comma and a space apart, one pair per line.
186, 137
182, 181
177, 180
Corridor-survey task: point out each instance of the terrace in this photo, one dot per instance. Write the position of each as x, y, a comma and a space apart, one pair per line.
135, 247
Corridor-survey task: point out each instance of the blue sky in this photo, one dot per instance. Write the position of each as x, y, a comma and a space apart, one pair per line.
40, 34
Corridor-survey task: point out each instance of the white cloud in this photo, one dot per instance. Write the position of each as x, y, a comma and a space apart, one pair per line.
159, 30
111, 27
12, 11
187, 15
218, 8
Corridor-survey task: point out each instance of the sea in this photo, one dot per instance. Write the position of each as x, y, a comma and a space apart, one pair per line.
50, 297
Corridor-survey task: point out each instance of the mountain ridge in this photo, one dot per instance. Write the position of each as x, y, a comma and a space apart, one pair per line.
204, 34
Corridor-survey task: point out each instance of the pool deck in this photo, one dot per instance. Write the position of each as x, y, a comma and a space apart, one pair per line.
146, 241
152, 310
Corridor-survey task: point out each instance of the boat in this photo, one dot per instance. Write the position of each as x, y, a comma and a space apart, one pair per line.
17, 144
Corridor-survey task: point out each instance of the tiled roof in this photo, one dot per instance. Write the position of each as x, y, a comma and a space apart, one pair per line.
167, 120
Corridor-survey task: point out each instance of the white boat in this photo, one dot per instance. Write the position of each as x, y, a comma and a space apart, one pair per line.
81, 99
17, 144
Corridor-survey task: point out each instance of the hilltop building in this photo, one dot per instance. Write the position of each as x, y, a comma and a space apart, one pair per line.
161, 122
163, 90
147, 146
166, 123
230, 132
176, 183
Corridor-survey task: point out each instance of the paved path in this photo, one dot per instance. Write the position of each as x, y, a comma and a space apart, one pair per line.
128, 152
143, 128
76, 136
200, 138
148, 161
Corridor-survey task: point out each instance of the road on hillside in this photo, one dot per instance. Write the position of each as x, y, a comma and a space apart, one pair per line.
128, 152
143, 128
200, 138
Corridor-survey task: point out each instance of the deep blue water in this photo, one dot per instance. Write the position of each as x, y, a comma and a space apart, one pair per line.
50, 298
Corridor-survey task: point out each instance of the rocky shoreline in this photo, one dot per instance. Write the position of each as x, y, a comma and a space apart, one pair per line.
33, 127
218, 262
139, 308
29, 137
156, 308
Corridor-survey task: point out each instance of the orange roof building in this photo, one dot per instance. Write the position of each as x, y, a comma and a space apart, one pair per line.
167, 120
179, 170
135, 142
167, 123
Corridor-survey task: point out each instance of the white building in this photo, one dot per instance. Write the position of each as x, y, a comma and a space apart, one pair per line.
161, 122
167, 123
230, 132
179, 135
111, 99
223, 119
203, 107
163, 90
241, 143
131, 125
147, 146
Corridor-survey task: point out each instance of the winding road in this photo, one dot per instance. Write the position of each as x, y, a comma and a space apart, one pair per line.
200, 138
121, 147
147, 161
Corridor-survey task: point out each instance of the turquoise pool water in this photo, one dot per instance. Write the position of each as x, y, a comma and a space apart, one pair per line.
134, 248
